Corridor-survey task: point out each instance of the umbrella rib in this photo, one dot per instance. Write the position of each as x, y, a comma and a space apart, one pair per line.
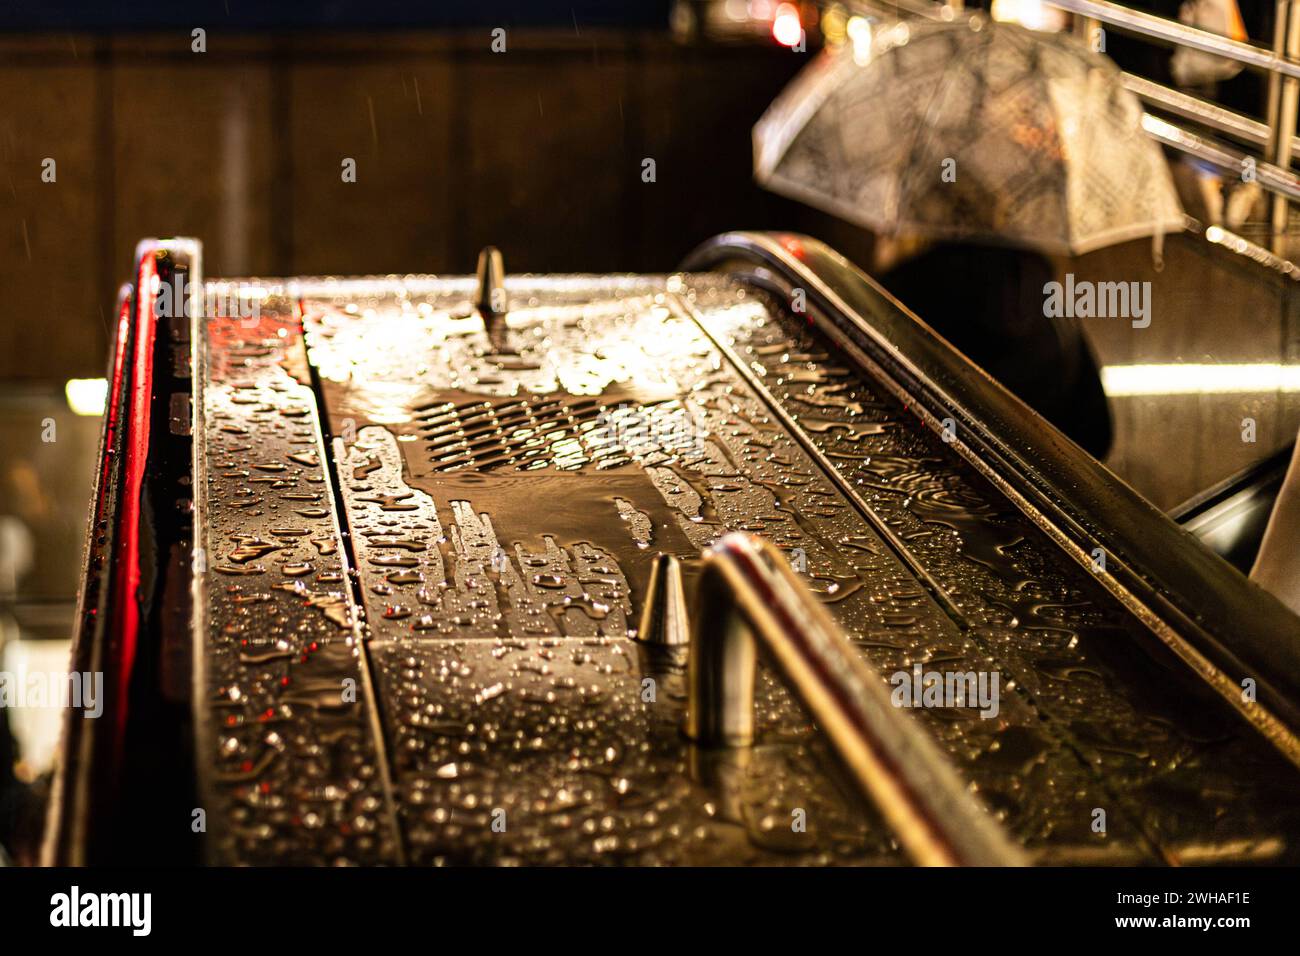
1067, 177
914, 148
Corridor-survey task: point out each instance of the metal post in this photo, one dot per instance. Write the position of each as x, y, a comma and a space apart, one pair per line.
1283, 100
1085, 28
749, 600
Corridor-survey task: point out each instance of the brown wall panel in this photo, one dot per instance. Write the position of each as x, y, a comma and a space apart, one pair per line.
393, 119
538, 150
548, 171
193, 154
53, 315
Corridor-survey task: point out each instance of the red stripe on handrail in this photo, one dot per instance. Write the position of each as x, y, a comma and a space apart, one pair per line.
136, 444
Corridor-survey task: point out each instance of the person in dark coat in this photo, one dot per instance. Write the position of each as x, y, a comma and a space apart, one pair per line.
988, 302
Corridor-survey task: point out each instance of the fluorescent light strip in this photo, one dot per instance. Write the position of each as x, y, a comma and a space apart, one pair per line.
1189, 379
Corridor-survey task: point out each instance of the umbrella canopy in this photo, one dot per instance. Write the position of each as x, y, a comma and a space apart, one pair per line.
971, 129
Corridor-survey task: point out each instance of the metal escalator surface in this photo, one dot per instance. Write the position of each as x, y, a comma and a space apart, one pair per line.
427, 532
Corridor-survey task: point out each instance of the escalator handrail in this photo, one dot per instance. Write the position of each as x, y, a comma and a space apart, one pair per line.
1221, 625
750, 599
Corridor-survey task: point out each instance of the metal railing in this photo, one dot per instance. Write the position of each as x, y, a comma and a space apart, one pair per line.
1211, 115
1277, 136
1180, 34
750, 600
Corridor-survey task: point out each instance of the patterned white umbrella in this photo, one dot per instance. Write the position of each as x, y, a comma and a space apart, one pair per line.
970, 129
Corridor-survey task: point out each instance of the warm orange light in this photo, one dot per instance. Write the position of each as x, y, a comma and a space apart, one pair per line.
786, 28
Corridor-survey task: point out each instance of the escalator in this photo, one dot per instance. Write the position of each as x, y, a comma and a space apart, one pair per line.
425, 518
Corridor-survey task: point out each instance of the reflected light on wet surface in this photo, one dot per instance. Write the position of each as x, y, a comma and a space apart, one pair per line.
537, 360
